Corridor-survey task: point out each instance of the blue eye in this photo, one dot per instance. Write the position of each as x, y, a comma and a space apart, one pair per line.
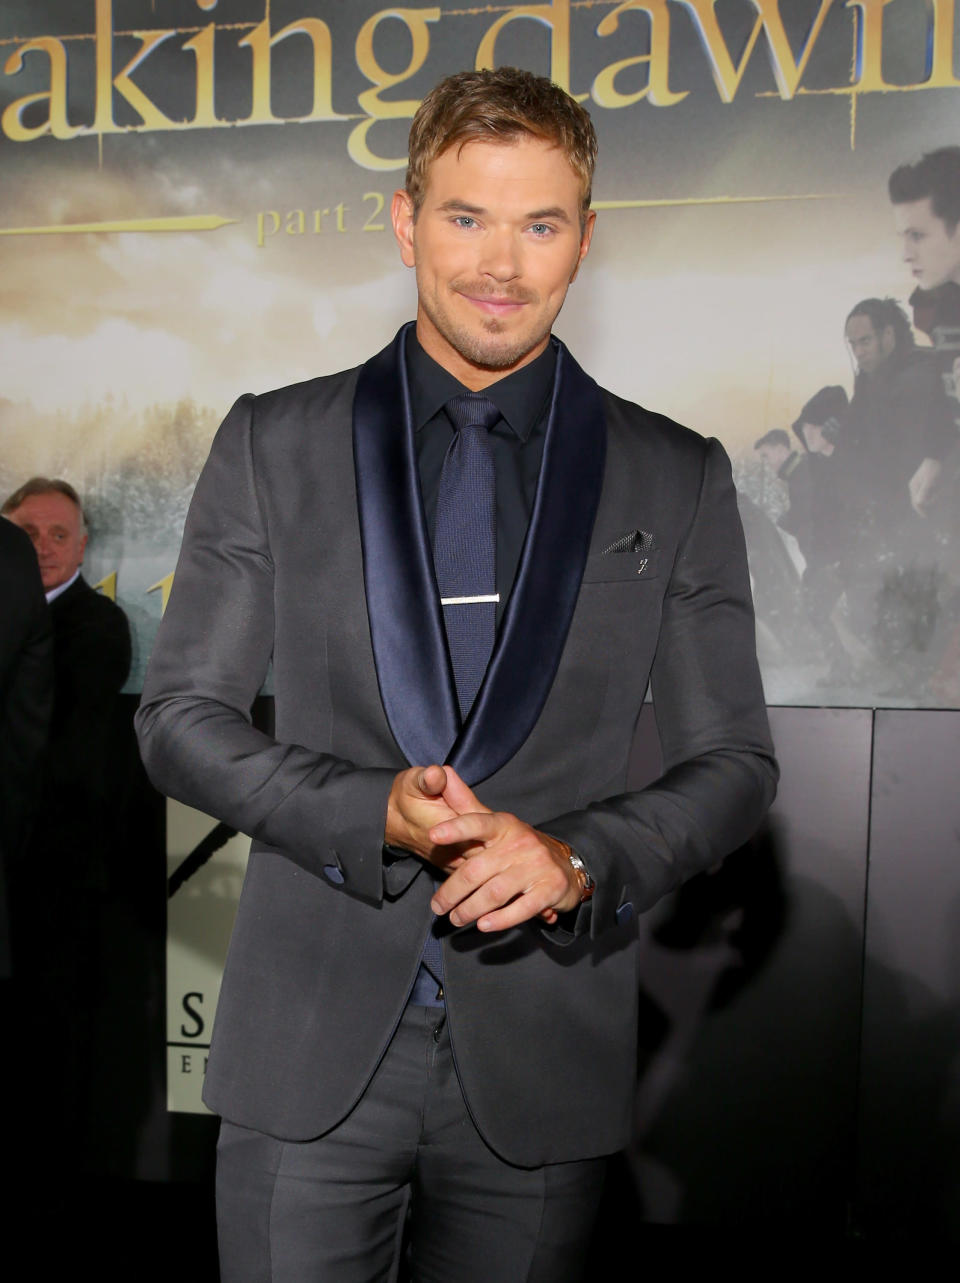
464, 220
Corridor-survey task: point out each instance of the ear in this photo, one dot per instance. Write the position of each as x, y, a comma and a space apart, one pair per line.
585, 239
401, 212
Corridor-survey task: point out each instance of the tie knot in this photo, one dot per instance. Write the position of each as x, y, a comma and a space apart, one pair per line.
471, 409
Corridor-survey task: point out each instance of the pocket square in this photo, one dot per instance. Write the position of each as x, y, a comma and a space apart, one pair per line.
632, 541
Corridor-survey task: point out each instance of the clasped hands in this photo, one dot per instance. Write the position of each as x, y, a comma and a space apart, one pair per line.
500, 870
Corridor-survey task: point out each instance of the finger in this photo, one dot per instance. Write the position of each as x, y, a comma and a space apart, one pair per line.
459, 796
483, 885
432, 780
476, 826
512, 914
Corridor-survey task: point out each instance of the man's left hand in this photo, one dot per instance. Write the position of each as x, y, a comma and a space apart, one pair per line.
512, 871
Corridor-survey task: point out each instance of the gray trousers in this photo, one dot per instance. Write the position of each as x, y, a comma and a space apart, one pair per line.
333, 1210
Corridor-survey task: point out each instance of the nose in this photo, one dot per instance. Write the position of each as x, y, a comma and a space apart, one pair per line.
500, 257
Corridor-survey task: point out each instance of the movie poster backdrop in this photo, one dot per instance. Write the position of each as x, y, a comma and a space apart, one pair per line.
195, 204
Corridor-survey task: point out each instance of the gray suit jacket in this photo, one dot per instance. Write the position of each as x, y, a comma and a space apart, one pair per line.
305, 546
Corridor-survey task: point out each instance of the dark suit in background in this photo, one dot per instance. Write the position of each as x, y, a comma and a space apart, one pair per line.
63, 884
26, 699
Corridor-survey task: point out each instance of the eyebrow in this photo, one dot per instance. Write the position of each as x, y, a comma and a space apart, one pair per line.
555, 212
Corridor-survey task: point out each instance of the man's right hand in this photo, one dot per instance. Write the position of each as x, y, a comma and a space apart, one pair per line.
414, 806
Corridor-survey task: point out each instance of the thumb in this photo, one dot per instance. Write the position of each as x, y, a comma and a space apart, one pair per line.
431, 781
459, 796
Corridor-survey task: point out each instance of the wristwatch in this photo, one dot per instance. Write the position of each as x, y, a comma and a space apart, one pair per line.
587, 884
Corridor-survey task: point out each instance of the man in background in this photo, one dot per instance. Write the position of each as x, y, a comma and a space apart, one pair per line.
61, 886
26, 696
898, 429
926, 213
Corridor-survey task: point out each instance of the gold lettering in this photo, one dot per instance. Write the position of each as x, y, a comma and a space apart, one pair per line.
787, 70
296, 225
201, 46
378, 203
556, 16
605, 93
416, 21
151, 115
260, 42
942, 46
869, 55
56, 122
274, 216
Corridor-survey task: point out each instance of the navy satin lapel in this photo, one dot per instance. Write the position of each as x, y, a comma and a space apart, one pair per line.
541, 605
406, 626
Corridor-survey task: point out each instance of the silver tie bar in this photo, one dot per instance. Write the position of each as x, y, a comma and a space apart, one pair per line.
469, 601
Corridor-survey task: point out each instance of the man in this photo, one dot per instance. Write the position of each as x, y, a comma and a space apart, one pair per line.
796, 472
59, 888
91, 639
898, 429
26, 690
484, 1059
926, 213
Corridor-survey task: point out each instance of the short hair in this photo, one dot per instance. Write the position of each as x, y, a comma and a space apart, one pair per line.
499, 106
881, 312
825, 410
937, 175
44, 485
776, 436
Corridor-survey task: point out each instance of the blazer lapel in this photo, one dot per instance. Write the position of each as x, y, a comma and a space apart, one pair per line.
541, 605
406, 625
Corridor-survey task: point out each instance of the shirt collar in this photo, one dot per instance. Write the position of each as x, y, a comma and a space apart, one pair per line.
520, 396
62, 588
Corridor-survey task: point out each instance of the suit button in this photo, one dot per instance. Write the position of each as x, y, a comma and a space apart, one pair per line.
625, 914
333, 874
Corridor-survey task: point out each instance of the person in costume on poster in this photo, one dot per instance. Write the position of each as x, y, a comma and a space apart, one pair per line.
465, 562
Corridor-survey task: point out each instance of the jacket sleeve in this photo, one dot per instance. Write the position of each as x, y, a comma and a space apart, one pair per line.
719, 772
210, 660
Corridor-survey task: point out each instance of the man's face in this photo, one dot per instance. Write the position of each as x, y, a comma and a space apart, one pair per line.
817, 443
869, 348
774, 456
932, 252
53, 523
495, 245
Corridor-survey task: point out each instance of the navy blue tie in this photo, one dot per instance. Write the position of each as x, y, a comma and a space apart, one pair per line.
465, 542
464, 556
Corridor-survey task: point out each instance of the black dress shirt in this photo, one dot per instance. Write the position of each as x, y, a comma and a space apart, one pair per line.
523, 399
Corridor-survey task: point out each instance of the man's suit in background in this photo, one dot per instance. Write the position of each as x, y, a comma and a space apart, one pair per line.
26, 698
61, 887
306, 548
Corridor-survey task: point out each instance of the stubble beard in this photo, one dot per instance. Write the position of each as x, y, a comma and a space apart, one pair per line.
490, 347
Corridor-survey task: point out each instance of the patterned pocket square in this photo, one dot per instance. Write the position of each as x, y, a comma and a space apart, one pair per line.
632, 541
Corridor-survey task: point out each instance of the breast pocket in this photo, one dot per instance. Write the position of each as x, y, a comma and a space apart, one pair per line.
614, 567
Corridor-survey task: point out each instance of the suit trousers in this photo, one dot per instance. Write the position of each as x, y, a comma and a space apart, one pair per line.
405, 1172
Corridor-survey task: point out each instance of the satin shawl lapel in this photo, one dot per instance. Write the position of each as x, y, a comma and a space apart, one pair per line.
406, 625
537, 619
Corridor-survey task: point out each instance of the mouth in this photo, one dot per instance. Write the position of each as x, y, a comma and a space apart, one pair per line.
492, 305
